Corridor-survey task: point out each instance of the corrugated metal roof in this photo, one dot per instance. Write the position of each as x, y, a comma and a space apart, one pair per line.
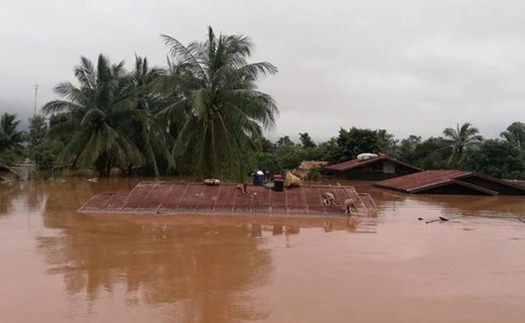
354, 163
194, 198
422, 179
431, 179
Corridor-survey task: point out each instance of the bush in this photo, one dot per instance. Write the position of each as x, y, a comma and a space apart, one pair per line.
313, 174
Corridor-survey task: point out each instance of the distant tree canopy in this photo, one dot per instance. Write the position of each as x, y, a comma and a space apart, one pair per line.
497, 158
11, 140
432, 153
461, 139
500, 158
357, 141
515, 134
284, 141
306, 141
37, 130
202, 115
407, 148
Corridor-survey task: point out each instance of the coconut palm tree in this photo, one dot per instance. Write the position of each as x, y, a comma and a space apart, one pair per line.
216, 109
146, 129
10, 139
461, 139
98, 108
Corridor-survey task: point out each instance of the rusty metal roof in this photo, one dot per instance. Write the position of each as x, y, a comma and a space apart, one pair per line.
354, 163
431, 179
196, 198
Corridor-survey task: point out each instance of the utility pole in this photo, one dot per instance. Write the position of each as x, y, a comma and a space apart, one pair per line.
36, 93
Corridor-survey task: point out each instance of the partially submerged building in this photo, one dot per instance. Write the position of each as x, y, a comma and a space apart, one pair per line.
451, 182
227, 198
373, 169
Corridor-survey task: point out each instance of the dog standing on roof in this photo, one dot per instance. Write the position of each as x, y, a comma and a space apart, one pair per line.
350, 206
328, 199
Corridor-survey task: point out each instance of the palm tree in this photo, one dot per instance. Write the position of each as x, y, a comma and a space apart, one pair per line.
146, 129
10, 139
217, 111
461, 139
98, 108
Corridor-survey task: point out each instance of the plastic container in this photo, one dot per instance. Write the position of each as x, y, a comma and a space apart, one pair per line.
258, 179
278, 185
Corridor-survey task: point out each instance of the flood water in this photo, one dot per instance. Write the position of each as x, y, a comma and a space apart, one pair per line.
57, 265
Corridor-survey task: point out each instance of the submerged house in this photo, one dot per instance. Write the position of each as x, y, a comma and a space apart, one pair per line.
375, 168
162, 198
451, 182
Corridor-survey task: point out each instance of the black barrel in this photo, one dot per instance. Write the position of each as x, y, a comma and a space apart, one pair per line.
278, 185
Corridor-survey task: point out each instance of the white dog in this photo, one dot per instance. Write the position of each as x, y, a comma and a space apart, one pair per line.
350, 206
328, 199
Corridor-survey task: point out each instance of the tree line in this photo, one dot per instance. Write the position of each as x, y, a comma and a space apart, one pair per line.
202, 115
461, 147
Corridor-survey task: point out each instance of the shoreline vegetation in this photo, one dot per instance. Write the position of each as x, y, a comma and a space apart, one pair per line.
202, 116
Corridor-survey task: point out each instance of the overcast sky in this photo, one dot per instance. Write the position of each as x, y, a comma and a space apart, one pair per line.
407, 66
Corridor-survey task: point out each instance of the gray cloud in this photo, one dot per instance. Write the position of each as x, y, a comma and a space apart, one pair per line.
410, 67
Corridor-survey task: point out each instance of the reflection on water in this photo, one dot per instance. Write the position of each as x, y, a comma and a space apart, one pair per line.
205, 268
76, 267
20, 195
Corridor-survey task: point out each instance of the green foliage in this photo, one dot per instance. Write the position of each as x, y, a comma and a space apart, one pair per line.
432, 153
357, 141
288, 156
313, 174
284, 141
497, 158
515, 134
407, 148
204, 115
306, 141
216, 108
57, 118
60, 120
387, 143
324, 151
268, 161
97, 109
11, 148
145, 129
37, 130
45, 156
266, 145
460, 140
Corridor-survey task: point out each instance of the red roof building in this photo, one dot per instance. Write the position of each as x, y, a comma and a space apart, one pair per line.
451, 182
374, 169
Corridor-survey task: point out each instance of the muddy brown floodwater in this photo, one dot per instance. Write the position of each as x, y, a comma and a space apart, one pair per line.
61, 266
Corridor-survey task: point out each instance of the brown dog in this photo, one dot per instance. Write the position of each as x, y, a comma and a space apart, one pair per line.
350, 206
243, 188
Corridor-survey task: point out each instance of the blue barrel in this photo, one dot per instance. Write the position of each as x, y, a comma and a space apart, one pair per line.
258, 179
